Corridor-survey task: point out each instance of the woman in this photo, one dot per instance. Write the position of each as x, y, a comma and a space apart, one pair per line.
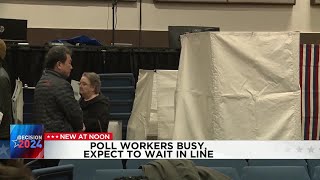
95, 106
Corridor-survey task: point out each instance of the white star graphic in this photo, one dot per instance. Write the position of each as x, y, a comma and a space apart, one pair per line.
311, 149
15, 143
57, 136
3, 150
52, 136
299, 149
48, 136
287, 149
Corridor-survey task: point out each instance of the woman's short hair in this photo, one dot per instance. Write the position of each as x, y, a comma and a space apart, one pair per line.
94, 80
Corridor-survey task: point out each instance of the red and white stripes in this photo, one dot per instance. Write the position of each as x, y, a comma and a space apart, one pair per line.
309, 82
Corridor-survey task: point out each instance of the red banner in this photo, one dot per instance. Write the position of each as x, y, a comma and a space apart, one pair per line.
55, 136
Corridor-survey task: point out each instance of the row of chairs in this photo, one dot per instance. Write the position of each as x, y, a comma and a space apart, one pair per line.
249, 173
247, 170
244, 168
239, 164
120, 88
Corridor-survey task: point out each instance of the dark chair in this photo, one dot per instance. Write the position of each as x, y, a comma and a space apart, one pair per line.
274, 173
136, 163
111, 174
228, 171
238, 164
85, 169
277, 162
312, 163
63, 172
316, 173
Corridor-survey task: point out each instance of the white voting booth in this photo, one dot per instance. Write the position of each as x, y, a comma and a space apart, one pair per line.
238, 85
152, 115
230, 86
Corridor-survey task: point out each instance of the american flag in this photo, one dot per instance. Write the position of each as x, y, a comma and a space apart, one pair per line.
309, 82
4, 149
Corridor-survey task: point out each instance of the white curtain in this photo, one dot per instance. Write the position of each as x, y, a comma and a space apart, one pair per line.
238, 85
139, 120
152, 115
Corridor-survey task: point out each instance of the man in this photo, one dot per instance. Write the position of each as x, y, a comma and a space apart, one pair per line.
5, 97
14, 169
54, 104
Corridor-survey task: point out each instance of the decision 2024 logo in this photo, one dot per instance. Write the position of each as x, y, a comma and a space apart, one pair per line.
26, 141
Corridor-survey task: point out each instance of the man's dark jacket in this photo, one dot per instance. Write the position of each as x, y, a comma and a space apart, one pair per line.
5, 103
54, 104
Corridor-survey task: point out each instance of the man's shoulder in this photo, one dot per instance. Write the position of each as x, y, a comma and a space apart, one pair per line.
4, 77
53, 80
54, 86
3, 73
